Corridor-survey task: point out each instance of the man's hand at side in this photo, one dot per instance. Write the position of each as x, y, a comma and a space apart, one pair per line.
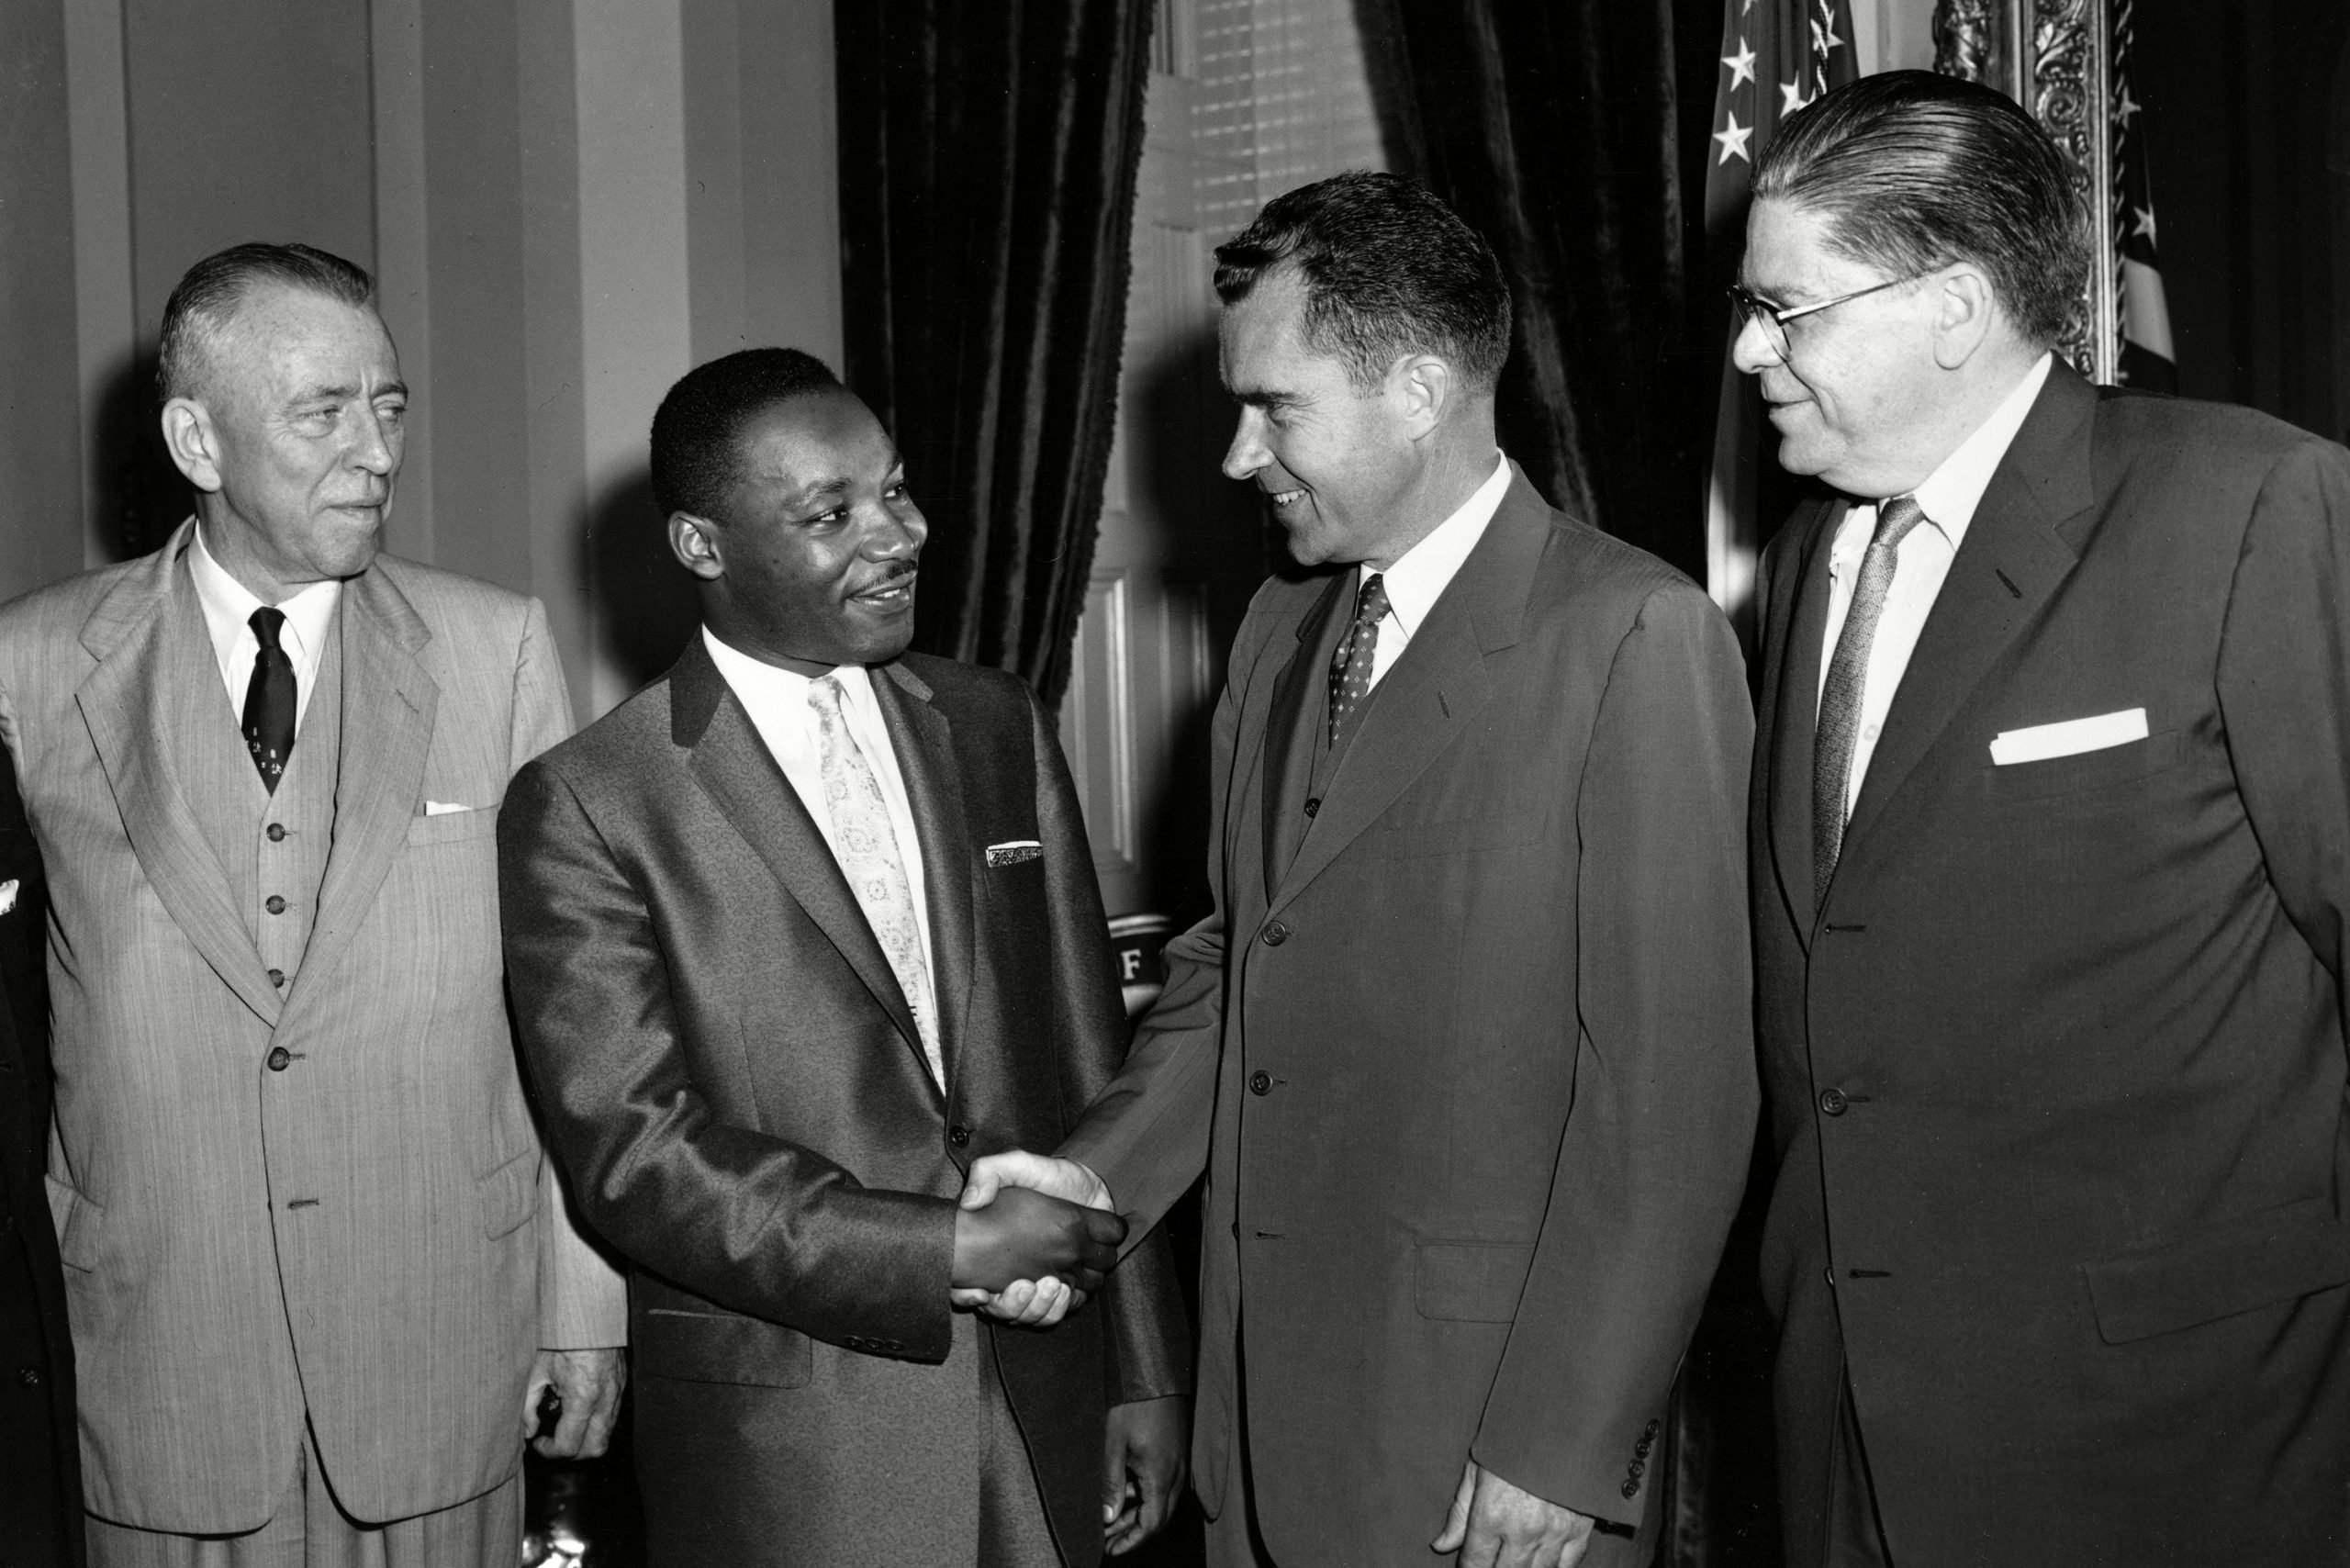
1143, 1463
1030, 1304
1496, 1525
1027, 1235
590, 1384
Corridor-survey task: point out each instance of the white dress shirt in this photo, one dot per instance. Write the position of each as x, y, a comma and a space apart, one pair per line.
776, 701
228, 609
1420, 574
1948, 498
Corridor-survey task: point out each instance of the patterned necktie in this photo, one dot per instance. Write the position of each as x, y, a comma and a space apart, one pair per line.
1350, 668
1840, 700
868, 857
269, 701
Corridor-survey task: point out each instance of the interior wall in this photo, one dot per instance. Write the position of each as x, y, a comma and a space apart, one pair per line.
567, 203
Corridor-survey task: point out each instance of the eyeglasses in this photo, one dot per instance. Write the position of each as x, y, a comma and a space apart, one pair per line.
1772, 318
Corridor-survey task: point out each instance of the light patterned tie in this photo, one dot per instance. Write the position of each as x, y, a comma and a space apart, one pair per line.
869, 857
1840, 700
1350, 667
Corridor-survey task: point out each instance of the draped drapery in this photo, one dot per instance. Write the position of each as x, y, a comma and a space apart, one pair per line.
1553, 126
988, 155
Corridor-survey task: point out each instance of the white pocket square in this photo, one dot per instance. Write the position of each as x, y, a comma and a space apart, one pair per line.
1013, 851
2070, 738
443, 808
7, 895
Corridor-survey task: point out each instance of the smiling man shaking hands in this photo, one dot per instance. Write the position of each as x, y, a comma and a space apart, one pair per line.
796, 932
1465, 1047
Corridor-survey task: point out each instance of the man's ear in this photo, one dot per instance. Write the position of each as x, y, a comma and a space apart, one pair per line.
696, 543
1423, 389
194, 444
1965, 308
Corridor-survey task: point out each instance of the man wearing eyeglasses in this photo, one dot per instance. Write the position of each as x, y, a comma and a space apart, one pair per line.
2051, 879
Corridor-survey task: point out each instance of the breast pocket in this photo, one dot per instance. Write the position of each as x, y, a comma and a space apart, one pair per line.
1455, 836
2053, 778
454, 827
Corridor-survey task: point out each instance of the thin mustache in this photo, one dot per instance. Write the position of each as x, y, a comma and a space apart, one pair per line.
890, 579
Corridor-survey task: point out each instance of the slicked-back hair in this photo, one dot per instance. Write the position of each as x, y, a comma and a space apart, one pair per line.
696, 431
1388, 270
1914, 171
209, 294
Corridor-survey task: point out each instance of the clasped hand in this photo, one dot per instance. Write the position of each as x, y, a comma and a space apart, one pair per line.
1040, 1296
1016, 1236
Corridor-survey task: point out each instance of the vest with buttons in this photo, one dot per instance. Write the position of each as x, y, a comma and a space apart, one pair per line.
273, 847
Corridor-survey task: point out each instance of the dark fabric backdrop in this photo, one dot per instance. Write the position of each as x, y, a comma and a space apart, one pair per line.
988, 152
1555, 128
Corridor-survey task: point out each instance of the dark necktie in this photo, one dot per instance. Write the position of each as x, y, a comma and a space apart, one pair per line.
269, 701
1840, 700
1350, 669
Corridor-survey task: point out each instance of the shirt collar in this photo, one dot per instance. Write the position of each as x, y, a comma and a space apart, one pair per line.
1422, 573
1953, 491
756, 679
228, 609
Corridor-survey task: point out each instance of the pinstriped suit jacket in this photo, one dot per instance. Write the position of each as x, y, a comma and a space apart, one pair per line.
401, 1303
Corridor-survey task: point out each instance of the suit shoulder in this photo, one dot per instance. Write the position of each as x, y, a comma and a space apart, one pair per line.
1584, 565
446, 598
60, 607
2142, 425
623, 742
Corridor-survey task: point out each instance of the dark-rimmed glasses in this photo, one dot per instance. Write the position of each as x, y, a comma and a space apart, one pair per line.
1773, 319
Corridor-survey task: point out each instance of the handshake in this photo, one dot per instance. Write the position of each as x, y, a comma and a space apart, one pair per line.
1034, 1236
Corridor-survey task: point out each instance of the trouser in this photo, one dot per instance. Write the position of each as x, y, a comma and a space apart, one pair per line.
311, 1531
1855, 1534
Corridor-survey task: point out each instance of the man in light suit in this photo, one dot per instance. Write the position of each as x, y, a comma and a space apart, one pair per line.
2051, 890
1465, 1047
40, 1472
796, 932
317, 1268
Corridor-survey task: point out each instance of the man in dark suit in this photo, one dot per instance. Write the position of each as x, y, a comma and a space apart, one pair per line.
1465, 1047
796, 932
40, 1470
2049, 889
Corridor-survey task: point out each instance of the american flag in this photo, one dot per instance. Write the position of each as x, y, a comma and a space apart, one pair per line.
2147, 359
1777, 55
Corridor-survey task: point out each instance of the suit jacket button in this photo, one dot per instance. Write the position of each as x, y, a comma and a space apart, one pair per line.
275, 904
958, 1135
1651, 1432
1276, 934
1832, 1102
277, 1059
276, 832
1312, 805
1631, 1488
28, 1377
854, 1342
1260, 1082
277, 977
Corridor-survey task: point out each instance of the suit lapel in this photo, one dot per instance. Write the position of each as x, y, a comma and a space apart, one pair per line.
1796, 721
924, 743
144, 675
1289, 747
734, 768
2012, 558
1432, 692
388, 706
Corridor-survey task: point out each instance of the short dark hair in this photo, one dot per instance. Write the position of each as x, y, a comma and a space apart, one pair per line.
209, 294
1388, 270
697, 449
1914, 171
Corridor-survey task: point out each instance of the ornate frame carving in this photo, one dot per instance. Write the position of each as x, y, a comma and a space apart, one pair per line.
2055, 56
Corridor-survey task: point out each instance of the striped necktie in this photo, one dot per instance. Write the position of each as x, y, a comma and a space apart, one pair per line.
1840, 700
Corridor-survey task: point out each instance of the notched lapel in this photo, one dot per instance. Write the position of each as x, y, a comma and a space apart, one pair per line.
1286, 747
1796, 719
734, 768
389, 704
934, 772
2012, 559
127, 702
1440, 684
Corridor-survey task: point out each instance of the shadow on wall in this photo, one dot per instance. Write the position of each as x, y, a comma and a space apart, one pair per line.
645, 604
142, 496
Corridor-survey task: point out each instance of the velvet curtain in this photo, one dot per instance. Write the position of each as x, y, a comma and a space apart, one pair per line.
1552, 126
987, 154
